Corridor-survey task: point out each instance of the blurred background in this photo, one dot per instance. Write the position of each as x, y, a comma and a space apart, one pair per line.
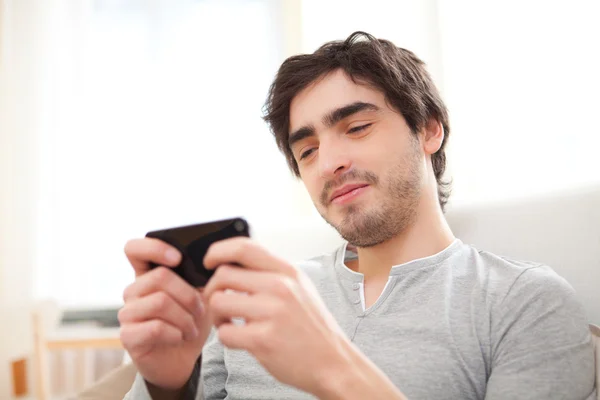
118, 117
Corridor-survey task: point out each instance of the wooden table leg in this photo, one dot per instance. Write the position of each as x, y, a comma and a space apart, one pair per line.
41, 359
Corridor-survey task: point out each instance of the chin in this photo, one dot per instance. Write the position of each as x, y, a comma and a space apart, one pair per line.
351, 226
364, 229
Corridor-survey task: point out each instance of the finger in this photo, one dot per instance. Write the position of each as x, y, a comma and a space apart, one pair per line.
140, 338
242, 337
242, 280
159, 305
224, 306
163, 279
246, 252
140, 252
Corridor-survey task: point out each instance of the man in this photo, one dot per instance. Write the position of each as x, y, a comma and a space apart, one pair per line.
403, 310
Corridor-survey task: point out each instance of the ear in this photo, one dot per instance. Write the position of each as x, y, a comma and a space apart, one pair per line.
432, 136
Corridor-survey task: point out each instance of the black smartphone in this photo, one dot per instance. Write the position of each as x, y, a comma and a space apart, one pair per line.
193, 242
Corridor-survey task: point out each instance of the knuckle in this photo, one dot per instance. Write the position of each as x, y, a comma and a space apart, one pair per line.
162, 274
228, 269
219, 272
124, 336
283, 286
215, 300
190, 300
128, 292
222, 272
128, 338
245, 243
244, 247
161, 301
156, 329
122, 315
292, 272
189, 323
288, 282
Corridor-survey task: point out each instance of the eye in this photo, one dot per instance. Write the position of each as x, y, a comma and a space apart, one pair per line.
357, 129
306, 153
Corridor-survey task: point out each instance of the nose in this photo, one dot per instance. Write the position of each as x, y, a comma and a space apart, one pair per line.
333, 159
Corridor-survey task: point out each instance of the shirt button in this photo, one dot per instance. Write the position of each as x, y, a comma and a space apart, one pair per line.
357, 301
355, 286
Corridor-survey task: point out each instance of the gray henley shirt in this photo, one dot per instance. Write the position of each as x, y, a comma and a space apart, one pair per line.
461, 324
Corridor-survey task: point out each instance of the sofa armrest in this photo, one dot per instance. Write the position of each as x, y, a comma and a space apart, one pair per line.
114, 385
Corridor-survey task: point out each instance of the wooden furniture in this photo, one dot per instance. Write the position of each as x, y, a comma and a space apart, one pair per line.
596, 338
67, 337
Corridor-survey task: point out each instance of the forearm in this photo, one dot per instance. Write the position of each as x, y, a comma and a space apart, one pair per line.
356, 377
188, 392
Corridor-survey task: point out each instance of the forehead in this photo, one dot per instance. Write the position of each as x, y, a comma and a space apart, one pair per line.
326, 94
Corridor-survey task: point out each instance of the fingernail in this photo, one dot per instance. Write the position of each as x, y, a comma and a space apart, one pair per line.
172, 256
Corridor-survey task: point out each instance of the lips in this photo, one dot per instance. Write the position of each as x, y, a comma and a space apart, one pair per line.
345, 190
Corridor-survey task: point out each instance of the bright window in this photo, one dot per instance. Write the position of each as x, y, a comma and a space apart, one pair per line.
153, 119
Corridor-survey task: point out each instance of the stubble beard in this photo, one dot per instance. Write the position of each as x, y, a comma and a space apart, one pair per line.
390, 214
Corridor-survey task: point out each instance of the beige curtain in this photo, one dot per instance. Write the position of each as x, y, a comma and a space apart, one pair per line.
22, 23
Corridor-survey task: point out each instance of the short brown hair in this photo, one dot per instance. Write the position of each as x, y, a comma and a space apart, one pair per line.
397, 72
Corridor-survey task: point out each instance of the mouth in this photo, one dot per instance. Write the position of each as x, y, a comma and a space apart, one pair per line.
347, 193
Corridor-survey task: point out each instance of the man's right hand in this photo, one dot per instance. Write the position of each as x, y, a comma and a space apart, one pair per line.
163, 324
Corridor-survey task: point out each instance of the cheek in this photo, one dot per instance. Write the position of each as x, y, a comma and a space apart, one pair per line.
312, 185
392, 151
373, 159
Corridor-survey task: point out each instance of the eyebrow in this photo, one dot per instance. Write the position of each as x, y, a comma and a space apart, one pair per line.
344, 112
331, 119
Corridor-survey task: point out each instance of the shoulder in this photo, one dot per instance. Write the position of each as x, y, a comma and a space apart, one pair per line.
528, 294
505, 278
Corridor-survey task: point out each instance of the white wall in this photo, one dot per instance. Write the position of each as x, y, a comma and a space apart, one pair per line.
407, 23
521, 81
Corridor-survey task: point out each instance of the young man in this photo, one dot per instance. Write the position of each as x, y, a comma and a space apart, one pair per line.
403, 310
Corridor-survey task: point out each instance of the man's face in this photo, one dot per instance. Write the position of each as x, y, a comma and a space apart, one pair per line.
358, 159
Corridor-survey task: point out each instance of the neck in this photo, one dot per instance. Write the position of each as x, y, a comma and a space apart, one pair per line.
427, 235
